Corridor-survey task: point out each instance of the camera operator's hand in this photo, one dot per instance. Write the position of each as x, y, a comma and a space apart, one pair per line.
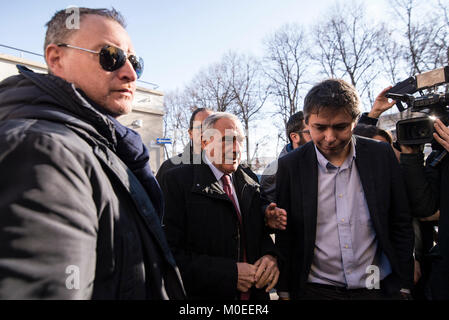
413, 148
381, 104
443, 134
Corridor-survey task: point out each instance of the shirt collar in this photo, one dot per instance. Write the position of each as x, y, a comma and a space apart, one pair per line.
217, 173
324, 163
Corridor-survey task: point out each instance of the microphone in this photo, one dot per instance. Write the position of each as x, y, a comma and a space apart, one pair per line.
438, 158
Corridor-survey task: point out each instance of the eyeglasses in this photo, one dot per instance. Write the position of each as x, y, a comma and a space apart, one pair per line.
113, 58
303, 131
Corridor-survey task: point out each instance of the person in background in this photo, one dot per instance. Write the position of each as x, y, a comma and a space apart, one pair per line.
297, 135
373, 132
428, 184
192, 152
380, 105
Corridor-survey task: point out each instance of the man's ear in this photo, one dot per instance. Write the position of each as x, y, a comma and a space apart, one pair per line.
53, 57
295, 137
203, 144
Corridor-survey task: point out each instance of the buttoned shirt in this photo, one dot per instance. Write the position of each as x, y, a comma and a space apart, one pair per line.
346, 245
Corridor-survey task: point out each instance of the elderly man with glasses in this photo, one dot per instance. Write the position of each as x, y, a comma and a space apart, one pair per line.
79, 206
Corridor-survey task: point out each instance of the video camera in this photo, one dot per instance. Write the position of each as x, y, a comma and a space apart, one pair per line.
416, 131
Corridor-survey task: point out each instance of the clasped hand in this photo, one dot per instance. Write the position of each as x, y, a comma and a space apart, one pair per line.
264, 272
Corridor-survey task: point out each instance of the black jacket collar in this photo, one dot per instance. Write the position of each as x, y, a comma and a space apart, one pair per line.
204, 182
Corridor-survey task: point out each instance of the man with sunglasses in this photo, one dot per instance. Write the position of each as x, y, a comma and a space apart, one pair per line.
79, 218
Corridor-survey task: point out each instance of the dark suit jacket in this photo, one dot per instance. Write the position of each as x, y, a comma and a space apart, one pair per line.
186, 157
202, 229
385, 194
428, 188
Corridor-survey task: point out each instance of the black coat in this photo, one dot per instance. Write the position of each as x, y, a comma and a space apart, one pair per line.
382, 183
428, 188
186, 157
69, 205
202, 229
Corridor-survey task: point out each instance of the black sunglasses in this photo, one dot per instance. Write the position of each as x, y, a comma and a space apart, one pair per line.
113, 58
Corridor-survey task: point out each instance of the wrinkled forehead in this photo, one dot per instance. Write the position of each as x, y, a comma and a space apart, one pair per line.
97, 31
234, 130
225, 130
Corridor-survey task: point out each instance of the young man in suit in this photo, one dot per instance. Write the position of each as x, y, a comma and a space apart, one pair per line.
214, 222
349, 230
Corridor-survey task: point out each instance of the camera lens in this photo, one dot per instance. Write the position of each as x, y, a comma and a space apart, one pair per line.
415, 130
422, 132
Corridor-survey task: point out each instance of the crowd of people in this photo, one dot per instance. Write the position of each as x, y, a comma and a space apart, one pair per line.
342, 214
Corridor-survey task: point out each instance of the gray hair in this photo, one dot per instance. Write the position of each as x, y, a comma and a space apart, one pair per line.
210, 121
58, 32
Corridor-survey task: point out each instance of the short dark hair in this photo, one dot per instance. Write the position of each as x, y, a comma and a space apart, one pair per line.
57, 31
194, 113
372, 131
333, 94
294, 124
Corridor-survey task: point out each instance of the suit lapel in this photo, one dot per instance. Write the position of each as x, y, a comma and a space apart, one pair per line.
205, 183
365, 170
246, 188
309, 187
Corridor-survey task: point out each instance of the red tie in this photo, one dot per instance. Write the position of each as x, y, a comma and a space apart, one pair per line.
226, 179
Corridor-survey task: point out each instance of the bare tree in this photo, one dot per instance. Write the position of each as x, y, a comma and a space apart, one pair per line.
421, 35
440, 47
286, 62
390, 53
210, 88
346, 43
327, 55
176, 120
249, 90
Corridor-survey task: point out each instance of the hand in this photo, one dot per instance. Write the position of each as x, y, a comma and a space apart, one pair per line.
417, 272
412, 148
443, 134
246, 276
405, 296
434, 217
381, 104
267, 272
276, 218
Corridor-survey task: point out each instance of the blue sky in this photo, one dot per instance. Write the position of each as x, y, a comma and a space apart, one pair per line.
176, 38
